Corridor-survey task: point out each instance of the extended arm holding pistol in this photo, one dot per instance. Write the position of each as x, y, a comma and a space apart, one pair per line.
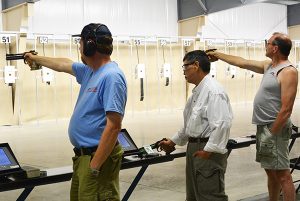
35, 66
211, 58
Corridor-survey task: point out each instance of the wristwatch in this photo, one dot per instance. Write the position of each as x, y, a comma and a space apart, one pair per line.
95, 172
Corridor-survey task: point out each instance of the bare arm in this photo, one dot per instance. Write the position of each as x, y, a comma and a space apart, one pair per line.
256, 66
56, 64
288, 79
108, 139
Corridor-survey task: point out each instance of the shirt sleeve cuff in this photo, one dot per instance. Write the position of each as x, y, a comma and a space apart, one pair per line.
178, 141
214, 148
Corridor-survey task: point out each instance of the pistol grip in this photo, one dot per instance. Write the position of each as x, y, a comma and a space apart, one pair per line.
35, 66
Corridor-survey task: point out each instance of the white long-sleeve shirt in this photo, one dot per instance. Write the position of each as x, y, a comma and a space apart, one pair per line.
207, 114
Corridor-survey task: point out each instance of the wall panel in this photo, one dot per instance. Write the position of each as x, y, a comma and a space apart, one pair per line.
255, 21
40, 101
123, 17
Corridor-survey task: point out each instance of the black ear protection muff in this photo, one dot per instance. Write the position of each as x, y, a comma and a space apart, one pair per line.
90, 42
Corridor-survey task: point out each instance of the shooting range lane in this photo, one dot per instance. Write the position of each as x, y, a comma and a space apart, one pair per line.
145, 129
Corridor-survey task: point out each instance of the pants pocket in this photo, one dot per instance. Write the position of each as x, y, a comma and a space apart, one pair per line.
286, 133
267, 154
75, 163
266, 149
208, 181
267, 131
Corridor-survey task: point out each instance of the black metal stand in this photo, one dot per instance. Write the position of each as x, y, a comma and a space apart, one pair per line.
24, 194
134, 183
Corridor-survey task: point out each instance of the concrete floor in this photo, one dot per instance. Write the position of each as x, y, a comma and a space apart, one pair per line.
46, 145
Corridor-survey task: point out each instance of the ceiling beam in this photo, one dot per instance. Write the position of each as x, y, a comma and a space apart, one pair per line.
202, 6
6, 4
192, 8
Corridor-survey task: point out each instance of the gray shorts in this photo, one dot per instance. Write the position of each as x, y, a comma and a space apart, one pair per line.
272, 151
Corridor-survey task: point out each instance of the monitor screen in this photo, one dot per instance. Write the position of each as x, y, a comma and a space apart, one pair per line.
8, 161
123, 141
126, 141
4, 160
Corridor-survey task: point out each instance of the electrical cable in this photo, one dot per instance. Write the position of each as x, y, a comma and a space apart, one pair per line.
167, 78
6, 52
43, 45
141, 79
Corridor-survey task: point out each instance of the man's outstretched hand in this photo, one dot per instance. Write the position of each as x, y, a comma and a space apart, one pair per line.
211, 53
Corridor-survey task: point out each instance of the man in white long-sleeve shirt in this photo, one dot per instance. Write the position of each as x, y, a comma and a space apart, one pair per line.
207, 122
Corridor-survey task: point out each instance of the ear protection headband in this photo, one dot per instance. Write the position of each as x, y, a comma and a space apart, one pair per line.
90, 42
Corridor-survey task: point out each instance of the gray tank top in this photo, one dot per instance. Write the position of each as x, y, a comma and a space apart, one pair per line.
267, 101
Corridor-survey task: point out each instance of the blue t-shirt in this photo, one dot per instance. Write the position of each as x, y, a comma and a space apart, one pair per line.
101, 91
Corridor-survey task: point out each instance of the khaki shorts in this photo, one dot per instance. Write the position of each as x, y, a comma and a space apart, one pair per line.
272, 151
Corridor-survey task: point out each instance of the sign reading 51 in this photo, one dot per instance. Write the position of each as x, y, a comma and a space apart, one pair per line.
5, 39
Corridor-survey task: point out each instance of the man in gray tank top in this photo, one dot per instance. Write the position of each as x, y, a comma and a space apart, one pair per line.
273, 105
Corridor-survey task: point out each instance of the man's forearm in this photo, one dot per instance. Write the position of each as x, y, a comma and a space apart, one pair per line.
106, 146
255, 66
280, 121
288, 78
56, 64
233, 60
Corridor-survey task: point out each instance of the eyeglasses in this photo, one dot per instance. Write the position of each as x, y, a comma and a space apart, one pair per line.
274, 42
185, 66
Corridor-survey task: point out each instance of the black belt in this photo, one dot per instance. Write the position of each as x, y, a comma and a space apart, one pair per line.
86, 150
197, 140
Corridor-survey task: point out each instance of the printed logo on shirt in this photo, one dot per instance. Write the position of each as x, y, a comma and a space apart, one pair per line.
92, 89
272, 73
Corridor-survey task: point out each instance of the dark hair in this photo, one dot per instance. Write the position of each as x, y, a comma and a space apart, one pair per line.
201, 57
283, 42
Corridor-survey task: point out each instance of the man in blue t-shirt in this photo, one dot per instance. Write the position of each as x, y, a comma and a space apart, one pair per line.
97, 116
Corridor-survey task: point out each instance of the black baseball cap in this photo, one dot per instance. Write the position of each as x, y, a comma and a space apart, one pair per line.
97, 30
100, 34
